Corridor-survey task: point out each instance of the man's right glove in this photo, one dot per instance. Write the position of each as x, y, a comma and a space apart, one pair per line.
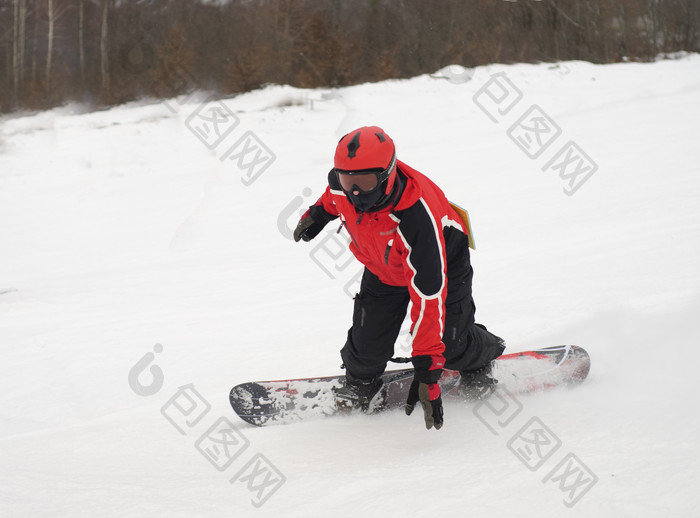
425, 389
311, 223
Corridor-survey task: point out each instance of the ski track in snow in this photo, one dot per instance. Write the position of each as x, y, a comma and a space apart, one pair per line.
121, 229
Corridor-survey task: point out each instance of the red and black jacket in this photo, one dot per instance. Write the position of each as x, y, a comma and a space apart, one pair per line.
407, 243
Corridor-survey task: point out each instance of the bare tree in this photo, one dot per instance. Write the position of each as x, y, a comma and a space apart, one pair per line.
18, 45
54, 12
81, 39
104, 48
49, 44
35, 44
15, 49
22, 38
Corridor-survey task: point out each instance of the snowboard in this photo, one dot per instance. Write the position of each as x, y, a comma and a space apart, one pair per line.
263, 403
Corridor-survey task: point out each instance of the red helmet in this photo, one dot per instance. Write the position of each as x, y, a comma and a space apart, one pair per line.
368, 149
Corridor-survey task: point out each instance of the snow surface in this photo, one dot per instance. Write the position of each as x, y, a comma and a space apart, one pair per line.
121, 229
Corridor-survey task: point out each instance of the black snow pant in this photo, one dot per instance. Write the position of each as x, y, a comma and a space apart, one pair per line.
380, 310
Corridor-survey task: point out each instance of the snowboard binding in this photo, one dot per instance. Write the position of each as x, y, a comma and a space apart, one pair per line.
356, 393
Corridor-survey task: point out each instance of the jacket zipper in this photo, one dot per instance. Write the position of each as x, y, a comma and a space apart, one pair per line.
347, 227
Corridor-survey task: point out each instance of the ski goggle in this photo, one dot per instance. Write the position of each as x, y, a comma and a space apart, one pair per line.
365, 180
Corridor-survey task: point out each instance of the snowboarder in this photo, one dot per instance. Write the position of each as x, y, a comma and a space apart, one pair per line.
414, 247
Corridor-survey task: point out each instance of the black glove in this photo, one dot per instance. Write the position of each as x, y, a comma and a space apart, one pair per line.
311, 223
425, 389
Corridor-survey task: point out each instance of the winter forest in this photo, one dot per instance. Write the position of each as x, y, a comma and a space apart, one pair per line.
106, 52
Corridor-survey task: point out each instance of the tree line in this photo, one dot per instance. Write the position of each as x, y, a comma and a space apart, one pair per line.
106, 52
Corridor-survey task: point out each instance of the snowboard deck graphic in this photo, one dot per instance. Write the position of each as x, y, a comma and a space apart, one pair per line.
286, 401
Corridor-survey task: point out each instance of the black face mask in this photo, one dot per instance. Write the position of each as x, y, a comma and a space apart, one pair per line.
364, 201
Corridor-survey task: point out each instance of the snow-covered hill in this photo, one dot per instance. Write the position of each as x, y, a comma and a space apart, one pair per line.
169, 223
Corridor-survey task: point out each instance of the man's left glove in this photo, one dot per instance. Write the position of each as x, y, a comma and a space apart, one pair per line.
425, 389
311, 223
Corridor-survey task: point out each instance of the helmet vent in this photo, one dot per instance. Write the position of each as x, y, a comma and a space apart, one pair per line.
354, 145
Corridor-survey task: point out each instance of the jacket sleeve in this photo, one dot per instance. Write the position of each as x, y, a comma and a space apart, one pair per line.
425, 269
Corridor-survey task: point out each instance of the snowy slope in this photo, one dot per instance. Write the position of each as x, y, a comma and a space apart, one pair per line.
123, 229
